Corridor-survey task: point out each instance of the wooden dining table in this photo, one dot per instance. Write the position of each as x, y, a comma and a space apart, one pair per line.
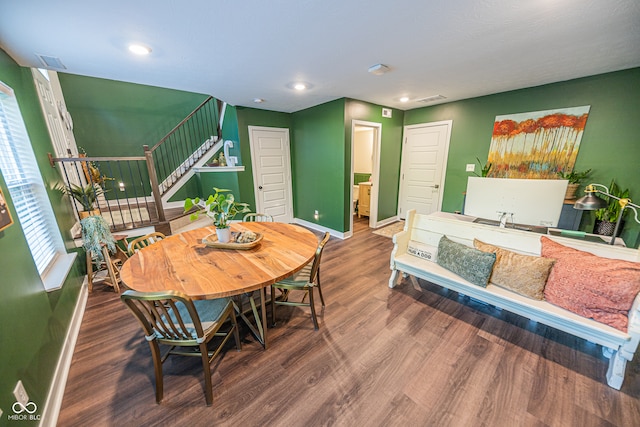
182, 262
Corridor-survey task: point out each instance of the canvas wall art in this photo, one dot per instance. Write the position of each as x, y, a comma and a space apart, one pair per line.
536, 145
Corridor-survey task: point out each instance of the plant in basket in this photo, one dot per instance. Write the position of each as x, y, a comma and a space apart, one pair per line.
221, 207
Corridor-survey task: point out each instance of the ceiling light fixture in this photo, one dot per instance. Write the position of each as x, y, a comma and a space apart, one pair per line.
139, 49
299, 86
404, 99
379, 69
258, 100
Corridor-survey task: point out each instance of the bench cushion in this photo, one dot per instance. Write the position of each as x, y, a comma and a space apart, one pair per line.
524, 274
469, 263
599, 288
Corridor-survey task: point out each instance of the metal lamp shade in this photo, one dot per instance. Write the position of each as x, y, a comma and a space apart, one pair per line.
590, 202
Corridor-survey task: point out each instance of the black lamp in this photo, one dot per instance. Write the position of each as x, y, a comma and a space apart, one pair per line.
591, 202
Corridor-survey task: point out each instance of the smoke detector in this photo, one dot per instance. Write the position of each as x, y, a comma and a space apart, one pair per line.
379, 69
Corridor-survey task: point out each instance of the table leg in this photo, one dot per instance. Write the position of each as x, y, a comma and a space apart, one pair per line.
259, 329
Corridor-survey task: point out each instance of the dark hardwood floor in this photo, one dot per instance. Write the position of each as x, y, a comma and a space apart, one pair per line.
382, 357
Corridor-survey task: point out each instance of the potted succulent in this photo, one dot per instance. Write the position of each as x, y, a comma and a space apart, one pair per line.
86, 196
221, 207
607, 217
575, 179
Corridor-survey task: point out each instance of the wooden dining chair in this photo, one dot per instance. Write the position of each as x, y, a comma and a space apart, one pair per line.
257, 217
144, 241
305, 280
173, 319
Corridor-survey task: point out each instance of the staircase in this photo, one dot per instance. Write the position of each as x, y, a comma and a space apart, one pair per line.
137, 189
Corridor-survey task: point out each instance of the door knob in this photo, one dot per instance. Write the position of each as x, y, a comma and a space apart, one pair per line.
260, 187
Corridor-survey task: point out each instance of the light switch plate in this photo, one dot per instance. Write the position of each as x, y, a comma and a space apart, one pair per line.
471, 167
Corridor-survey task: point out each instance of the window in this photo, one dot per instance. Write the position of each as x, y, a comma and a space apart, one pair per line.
28, 194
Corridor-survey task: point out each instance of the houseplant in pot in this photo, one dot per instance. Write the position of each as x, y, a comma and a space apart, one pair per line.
607, 217
221, 207
575, 179
86, 196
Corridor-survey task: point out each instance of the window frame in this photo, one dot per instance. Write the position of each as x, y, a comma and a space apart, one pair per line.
27, 193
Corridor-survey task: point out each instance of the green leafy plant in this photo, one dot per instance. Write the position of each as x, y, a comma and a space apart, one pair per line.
484, 169
221, 207
574, 177
95, 233
612, 211
85, 195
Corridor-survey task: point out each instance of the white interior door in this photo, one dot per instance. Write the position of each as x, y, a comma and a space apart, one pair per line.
424, 161
55, 112
271, 163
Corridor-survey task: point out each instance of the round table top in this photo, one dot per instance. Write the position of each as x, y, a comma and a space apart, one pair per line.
181, 262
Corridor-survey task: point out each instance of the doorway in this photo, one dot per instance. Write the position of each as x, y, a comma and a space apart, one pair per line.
365, 170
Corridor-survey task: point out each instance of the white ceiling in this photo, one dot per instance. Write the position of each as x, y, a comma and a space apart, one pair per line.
241, 50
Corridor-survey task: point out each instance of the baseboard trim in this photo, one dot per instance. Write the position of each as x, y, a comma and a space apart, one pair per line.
56, 391
320, 228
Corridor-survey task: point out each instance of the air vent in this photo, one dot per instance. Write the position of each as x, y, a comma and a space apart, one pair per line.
51, 62
432, 98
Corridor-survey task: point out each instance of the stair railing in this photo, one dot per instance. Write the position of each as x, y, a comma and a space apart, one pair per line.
185, 144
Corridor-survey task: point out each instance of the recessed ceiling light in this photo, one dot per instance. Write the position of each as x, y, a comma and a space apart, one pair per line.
139, 49
404, 99
258, 100
300, 86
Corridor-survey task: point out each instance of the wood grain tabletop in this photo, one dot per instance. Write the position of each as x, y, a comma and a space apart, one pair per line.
181, 262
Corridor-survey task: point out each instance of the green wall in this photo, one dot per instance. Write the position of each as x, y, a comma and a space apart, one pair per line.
113, 118
609, 145
34, 322
318, 161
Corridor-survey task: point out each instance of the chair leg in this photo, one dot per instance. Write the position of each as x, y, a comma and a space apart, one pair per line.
313, 309
236, 332
208, 387
273, 307
157, 367
320, 292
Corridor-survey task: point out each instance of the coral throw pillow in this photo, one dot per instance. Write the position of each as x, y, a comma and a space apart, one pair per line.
599, 288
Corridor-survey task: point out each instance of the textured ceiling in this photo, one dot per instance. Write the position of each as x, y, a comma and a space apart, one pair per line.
241, 50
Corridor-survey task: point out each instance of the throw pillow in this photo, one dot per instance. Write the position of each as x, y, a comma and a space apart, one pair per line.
469, 263
523, 274
599, 288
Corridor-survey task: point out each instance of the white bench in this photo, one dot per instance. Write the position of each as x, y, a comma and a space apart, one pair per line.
618, 346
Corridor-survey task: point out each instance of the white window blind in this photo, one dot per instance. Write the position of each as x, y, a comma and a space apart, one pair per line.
25, 185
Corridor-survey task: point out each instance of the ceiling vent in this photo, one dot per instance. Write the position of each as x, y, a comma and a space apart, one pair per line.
431, 98
51, 62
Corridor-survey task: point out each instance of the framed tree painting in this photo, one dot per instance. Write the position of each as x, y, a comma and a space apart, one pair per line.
536, 145
5, 215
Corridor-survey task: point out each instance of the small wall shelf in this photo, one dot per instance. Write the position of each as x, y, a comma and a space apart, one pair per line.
207, 169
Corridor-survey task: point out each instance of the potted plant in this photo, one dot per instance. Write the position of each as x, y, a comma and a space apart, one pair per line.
575, 179
484, 169
86, 196
607, 217
221, 207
